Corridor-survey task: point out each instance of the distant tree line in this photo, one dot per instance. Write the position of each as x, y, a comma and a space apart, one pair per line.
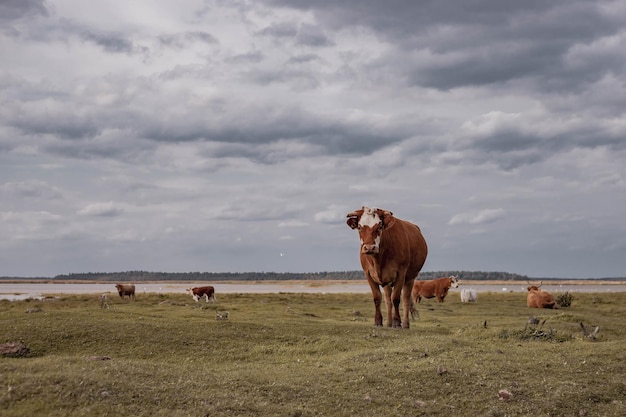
129, 276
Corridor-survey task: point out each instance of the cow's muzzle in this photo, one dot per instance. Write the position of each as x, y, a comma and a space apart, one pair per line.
369, 249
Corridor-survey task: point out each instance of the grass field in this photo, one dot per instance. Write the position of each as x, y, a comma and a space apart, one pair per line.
311, 355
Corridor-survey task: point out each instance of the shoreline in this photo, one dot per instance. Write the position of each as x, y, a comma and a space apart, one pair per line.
309, 282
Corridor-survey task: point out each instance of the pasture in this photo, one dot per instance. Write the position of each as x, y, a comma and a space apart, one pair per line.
311, 355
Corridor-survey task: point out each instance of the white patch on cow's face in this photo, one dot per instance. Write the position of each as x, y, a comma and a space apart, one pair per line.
369, 218
370, 227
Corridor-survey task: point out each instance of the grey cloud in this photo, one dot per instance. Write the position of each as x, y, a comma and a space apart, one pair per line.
304, 58
297, 78
109, 41
95, 131
65, 30
253, 57
180, 40
513, 140
304, 34
30, 190
280, 30
116, 148
273, 125
484, 42
17, 9
311, 35
68, 126
480, 217
108, 209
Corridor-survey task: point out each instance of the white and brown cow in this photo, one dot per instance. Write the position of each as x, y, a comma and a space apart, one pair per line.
392, 253
126, 290
434, 288
198, 292
538, 298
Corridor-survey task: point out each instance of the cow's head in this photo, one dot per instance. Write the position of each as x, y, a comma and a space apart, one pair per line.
454, 281
370, 223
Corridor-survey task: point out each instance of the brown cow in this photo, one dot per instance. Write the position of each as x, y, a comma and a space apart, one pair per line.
198, 292
392, 253
434, 288
126, 290
538, 298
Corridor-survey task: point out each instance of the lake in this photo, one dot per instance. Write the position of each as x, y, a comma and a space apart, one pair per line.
21, 291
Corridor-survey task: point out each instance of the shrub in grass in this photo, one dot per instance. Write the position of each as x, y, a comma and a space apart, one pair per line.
564, 300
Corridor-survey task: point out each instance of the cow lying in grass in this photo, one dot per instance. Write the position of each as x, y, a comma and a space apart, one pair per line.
538, 298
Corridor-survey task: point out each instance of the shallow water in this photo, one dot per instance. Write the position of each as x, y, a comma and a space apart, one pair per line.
21, 291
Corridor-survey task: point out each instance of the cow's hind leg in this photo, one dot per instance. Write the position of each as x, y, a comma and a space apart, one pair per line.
407, 303
394, 298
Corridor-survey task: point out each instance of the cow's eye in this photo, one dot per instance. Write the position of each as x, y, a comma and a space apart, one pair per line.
380, 227
359, 227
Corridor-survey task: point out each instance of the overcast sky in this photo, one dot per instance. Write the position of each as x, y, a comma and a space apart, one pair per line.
233, 136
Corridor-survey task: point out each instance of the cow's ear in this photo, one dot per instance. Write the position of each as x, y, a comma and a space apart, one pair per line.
353, 219
387, 218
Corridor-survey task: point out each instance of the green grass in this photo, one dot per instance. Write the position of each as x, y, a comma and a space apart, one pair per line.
311, 355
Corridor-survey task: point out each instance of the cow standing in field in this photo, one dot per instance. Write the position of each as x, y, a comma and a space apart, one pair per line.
126, 290
538, 298
198, 292
392, 253
434, 288
469, 295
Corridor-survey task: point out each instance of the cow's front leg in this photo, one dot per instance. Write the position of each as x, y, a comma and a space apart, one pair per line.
389, 305
376, 294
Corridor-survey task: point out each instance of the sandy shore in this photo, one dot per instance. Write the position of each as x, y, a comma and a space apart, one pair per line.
316, 283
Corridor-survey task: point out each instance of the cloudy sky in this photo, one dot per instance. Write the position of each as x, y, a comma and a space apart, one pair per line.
227, 135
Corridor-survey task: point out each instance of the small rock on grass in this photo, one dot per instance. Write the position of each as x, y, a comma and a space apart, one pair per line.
14, 349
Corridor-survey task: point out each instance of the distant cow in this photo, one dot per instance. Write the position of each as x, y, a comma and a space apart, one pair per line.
392, 253
538, 298
434, 288
103, 301
198, 292
468, 295
126, 290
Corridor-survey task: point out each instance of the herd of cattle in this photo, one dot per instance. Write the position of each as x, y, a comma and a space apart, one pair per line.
208, 292
392, 253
